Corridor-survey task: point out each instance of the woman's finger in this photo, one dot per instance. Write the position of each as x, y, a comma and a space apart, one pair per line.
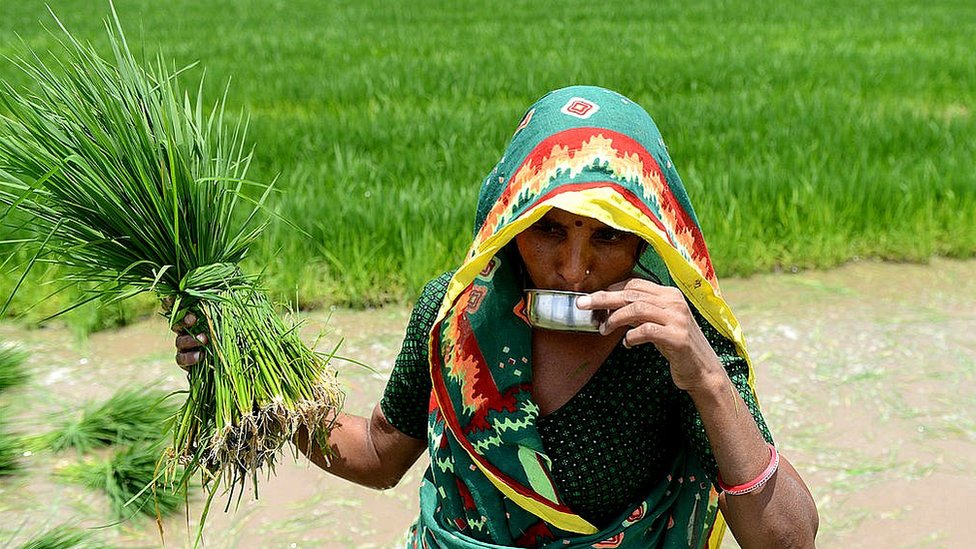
616, 299
610, 299
188, 360
633, 315
188, 320
648, 332
635, 284
624, 293
189, 342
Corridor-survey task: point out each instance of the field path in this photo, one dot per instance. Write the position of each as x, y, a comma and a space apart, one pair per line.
866, 374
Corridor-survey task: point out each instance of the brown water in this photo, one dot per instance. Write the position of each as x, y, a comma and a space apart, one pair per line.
865, 374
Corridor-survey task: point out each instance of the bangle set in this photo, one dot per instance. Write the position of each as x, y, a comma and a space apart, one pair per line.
756, 483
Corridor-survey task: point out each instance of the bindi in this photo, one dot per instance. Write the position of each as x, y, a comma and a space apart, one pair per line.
579, 223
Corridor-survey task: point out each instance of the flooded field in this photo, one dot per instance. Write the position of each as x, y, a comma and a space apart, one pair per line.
866, 375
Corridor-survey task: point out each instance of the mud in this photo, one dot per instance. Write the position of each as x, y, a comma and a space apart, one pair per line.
865, 374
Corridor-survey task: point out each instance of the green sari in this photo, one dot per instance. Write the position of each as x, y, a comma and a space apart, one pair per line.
594, 153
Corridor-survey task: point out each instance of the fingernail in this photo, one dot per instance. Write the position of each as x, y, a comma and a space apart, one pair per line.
603, 328
626, 346
201, 337
196, 356
190, 319
583, 301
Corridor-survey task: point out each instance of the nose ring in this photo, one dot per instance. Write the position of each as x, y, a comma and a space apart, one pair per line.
587, 271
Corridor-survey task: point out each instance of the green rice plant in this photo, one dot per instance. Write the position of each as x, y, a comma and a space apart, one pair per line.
62, 537
10, 447
130, 415
134, 187
131, 479
8, 453
12, 371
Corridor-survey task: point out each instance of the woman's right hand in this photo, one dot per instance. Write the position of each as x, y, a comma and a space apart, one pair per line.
188, 346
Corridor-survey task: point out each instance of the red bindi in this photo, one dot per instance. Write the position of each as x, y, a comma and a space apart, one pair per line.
579, 223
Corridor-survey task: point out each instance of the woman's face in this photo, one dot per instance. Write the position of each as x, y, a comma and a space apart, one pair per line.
564, 251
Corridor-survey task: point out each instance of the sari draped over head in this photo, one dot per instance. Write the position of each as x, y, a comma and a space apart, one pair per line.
595, 153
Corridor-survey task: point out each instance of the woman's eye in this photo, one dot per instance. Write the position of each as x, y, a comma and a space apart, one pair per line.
609, 235
547, 228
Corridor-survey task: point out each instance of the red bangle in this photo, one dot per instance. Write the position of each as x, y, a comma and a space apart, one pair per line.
757, 482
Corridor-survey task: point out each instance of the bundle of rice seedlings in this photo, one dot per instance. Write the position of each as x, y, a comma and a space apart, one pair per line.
12, 371
136, 187
62, 537
130, 415
131, 480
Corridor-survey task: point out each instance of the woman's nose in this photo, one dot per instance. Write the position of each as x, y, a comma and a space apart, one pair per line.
575, 266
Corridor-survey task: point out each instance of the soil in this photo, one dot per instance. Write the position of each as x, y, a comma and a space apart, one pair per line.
865, 373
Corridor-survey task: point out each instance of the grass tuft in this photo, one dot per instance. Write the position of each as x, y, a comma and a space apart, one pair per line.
10, 447
12, 372
63, 537
130, 415
131, 479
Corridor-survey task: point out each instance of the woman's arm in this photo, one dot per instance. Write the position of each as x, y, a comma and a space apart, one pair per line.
370, 452
780, 514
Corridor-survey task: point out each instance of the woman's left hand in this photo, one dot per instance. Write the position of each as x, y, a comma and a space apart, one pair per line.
659, 315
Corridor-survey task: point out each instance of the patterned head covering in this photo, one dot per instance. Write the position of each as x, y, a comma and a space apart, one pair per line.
595, 153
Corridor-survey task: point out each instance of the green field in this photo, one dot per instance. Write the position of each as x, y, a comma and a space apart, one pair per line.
807, 133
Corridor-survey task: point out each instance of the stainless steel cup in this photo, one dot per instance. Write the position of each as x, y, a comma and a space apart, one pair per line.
556, 310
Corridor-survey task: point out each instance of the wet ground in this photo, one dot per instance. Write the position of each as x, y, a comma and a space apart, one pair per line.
866, 375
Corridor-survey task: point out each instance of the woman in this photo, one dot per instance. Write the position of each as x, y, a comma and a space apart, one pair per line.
633, 437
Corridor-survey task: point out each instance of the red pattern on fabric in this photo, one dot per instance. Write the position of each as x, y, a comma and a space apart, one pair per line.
478, 386
520, 312
466, 499
477, 294
489, 267
481, 385
535, 535
525, 121
611, 542
580, 107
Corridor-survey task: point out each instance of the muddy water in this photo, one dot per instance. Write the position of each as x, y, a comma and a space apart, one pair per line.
866, 374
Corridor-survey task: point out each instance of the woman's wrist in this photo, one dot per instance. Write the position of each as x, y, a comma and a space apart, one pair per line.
756, 483
740, 451
711, 388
